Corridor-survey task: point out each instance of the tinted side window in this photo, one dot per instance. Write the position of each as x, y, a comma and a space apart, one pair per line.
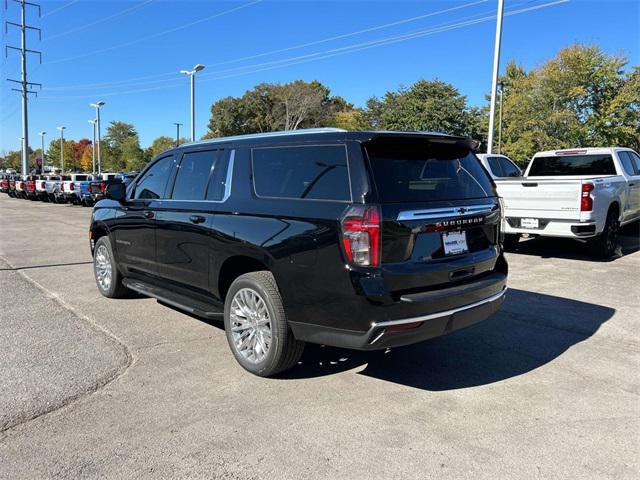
154, 181
494, 165
509, 169
219, 177
627, 163
310, 172
636, 160
193, 175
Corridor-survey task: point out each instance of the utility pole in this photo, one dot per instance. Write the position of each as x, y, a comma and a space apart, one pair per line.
42, 134
494, 82
93, 146
61, 149
178, 125
24, 84
98, 106
192, 82
501, 85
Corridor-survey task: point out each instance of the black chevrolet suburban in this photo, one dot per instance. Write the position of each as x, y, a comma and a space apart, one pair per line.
362, 240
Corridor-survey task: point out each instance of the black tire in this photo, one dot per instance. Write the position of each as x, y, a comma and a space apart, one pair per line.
605, 244
511, 241
283, 350
114, 289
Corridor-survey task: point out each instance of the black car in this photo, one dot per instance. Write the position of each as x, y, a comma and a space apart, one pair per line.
363, 240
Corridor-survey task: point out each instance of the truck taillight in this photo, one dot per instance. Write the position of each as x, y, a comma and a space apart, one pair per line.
103, 186
62, 187
21, 185
72, 186
42, 186
586, 202
361, 235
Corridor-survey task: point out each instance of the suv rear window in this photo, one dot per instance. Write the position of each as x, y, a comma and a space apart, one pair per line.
418, 170
572, 165
307, 172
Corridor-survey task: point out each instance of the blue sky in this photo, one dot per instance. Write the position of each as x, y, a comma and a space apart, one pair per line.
129, 53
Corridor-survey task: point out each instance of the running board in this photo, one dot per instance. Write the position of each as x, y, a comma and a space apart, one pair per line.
187, 304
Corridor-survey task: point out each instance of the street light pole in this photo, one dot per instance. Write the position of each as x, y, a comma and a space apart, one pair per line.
192, 83
501, 85
97, 106
42, 134
93, 147
494, 82
61, 149
178, 125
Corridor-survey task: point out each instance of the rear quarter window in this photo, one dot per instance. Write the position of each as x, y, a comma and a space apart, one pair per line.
317, 172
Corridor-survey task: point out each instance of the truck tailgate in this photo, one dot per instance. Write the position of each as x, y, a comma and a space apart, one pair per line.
546, 198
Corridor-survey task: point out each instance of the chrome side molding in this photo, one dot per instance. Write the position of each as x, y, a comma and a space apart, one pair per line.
447, 212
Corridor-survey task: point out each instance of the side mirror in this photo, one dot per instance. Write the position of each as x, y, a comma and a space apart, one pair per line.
116, 191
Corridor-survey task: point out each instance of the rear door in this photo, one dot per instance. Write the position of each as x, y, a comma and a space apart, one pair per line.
184, 222
631, 166
440, 211
135, 230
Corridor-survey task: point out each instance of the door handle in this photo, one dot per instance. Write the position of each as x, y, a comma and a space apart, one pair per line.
148, 214
196, 219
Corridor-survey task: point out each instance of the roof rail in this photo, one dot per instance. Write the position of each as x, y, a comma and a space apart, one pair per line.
281, 133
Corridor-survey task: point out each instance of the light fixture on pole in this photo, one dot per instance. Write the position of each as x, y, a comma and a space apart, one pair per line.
93, 146
178, 125
494, 82
42, 134
97, 106
192, 82
61, 149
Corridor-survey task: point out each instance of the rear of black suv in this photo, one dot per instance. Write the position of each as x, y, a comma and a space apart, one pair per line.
422, 249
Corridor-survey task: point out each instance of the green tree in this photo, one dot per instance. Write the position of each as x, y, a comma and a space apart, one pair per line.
270, 107
132, 156
581, 98
158, 146
431, 105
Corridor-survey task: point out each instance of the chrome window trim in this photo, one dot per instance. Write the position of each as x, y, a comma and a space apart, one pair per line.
446, 212
433, 316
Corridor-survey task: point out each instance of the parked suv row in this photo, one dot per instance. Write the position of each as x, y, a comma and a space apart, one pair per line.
363, 240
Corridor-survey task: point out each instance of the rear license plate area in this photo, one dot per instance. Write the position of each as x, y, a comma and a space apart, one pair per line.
529, 223
454, 243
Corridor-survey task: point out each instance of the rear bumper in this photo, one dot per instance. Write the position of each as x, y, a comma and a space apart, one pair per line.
404, 331
555, 228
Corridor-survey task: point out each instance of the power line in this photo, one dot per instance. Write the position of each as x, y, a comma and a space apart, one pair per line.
56, 10
155, 35
327, 53
272, 52
101, 20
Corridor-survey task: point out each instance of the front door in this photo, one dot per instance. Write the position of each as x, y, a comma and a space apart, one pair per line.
135, 236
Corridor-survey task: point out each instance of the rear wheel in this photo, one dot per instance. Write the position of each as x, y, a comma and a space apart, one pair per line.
604, 245
256, 325
105, 269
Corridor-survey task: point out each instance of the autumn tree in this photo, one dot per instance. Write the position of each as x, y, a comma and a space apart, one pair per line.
86, 160
581, 98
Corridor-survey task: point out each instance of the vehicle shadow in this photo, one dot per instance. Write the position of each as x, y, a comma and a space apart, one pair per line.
550, 247
529, 331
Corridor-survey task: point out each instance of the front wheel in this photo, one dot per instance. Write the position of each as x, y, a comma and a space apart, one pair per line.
105, 269
256, 325
605, 244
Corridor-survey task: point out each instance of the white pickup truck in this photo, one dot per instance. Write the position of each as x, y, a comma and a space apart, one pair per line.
579, 193
70, 189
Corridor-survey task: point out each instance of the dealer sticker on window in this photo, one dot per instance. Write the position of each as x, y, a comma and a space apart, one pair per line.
454, 243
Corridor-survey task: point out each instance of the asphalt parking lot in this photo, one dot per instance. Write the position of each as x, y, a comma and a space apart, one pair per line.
90, 387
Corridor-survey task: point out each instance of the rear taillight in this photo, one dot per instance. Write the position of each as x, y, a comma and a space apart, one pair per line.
62, 187
586, 201
72, 186
21, 186
361, 235
42, 186
103, 186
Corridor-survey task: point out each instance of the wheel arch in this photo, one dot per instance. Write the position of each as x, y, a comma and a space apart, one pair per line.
237, 265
